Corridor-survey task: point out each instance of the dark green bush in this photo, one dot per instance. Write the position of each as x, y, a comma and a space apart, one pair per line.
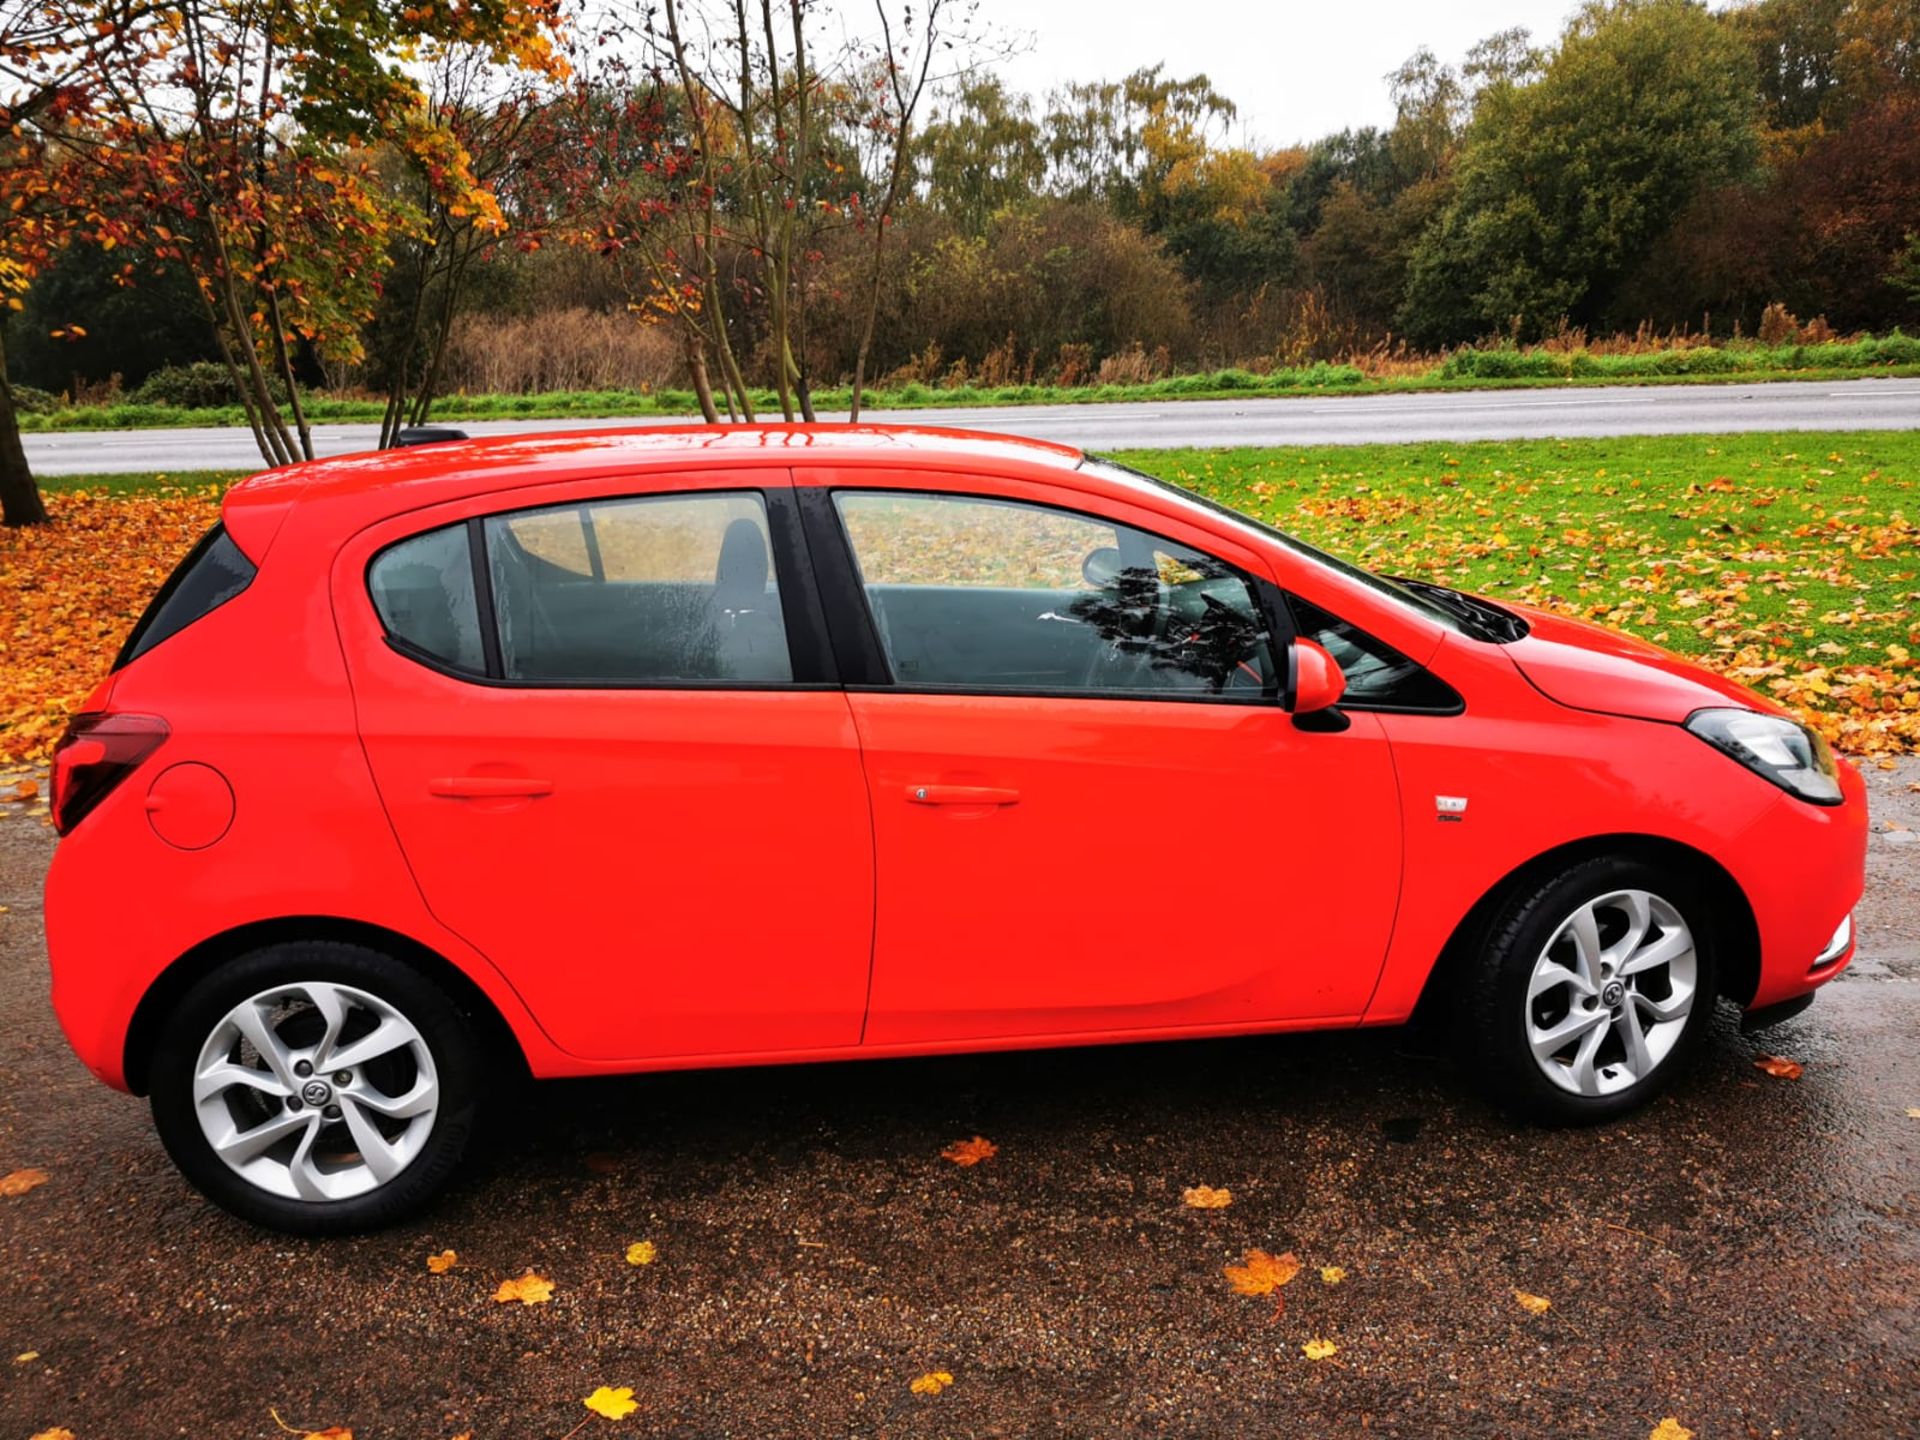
203, 385
30, 400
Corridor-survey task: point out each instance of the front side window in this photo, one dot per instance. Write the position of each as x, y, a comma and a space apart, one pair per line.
423, 591
980, 594
1379, 677
653, 589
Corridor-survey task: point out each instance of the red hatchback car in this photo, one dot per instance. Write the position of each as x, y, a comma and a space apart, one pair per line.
664, 748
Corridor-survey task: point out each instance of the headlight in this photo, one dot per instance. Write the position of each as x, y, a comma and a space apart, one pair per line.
1787, 753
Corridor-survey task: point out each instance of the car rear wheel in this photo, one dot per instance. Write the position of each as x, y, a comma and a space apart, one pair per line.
1592, 991
316, 1088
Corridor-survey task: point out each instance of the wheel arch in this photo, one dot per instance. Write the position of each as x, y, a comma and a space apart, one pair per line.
492, 1029
1736, 935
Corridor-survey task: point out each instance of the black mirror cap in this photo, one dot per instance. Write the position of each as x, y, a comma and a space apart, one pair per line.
426, 435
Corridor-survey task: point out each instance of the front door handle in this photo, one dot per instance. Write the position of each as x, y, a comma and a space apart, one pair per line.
961, 795
488, 787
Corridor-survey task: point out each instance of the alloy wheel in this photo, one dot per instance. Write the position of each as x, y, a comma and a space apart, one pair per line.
315, 1091
1610, 993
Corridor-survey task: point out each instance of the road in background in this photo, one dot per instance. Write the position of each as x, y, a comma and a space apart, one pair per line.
1166, 424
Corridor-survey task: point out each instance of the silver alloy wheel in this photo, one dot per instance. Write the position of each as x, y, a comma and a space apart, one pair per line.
315, 1091
1610, 994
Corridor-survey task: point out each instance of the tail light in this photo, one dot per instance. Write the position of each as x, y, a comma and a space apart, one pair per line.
98, 751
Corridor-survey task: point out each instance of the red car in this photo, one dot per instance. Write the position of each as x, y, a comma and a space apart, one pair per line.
653, 749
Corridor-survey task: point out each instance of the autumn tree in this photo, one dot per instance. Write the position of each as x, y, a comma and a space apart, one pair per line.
1564, 184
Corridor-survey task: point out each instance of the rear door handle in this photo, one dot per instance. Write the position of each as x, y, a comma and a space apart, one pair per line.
961, 795
488, 787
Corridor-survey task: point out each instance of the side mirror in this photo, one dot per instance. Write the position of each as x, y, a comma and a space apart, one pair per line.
1318, 680
1102, 567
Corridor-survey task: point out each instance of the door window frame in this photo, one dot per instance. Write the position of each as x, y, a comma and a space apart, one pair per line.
810, 653
860, 654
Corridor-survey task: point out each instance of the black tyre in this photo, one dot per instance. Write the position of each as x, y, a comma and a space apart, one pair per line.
315, 1087
1591, 992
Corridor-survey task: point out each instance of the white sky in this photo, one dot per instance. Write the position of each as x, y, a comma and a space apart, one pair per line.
1296, 68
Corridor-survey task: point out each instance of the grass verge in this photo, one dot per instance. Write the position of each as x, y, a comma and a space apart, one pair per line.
1788, 561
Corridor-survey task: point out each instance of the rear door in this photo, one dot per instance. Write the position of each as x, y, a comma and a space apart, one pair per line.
605, 729
1092, 814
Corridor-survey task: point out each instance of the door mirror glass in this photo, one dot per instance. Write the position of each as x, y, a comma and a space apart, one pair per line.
1318, 681
1102, 567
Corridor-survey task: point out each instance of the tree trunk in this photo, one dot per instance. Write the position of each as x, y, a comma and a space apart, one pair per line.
697, 368
20, 502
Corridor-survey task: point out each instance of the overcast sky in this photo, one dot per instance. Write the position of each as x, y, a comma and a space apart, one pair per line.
1296, 68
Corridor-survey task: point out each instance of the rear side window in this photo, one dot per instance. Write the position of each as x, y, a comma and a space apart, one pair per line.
212, 574
661, 589
423, 591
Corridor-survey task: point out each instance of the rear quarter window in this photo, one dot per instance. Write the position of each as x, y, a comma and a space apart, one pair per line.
423, 591
213, 573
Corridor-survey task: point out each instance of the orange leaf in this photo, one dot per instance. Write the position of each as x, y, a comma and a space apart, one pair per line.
1205, 1197
932, 1383
1670, 1429
1782, 1068
25, 790
21, 1181
443, 1262
970, 1152
59, 1432
1262, 1273
1533, 1304
529, 1289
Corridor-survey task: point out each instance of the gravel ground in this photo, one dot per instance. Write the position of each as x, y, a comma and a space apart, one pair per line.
1743, 1256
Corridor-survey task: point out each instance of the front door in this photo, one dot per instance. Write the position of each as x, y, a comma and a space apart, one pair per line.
1091, 814
625, 794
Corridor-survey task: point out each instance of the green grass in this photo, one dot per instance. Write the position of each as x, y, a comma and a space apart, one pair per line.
1788, 560
1496, 368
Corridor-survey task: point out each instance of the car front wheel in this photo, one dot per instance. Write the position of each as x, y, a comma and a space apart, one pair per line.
1592, 992
316, 1088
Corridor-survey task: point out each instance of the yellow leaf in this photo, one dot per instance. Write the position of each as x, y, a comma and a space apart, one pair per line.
970, 1152
614, 1404
1913, 1112
443, 1262
1780, 1067
21, 1181
529, 1289
1332, 1274
932, 1383
1319, 1349
1205, 1197
1669, 1429
641, 1253
1533, 1304
26, 1357
1262, 1273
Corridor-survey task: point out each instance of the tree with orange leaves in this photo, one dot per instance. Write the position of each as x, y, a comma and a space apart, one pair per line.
241, 140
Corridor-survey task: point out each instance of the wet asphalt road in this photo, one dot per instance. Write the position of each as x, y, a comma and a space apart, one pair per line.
1873, 404
1744, 1256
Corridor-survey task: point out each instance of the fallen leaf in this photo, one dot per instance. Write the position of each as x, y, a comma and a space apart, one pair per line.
1777, 1066
332, 1432
26, 1357
1533, 1304
529, 1289
932, 1383
970, 1152
59, 1432
1332, 1274
1913, 1112
21, 1181
443, 1262
1319, 1349
1670, 1429
25, 789
1262, 1273
1205, 1197
641, 1253
614, 1404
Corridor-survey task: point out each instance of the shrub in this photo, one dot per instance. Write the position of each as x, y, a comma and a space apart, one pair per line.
28, 400
1502, 364
203, 385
